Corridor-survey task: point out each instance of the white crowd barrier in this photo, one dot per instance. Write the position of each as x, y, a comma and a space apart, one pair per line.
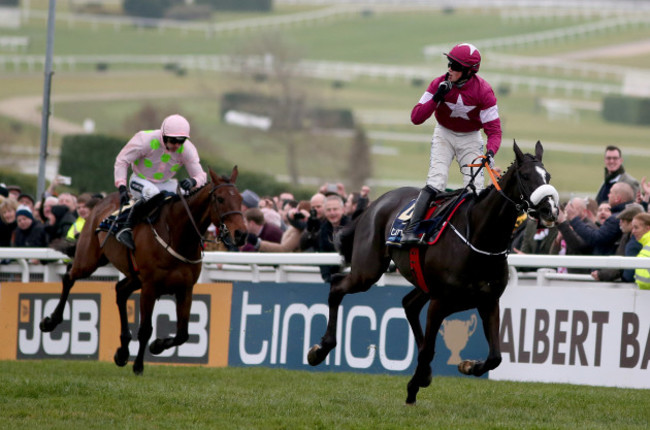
48, 265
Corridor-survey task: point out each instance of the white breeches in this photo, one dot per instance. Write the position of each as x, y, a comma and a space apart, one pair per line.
144, 189
447, 144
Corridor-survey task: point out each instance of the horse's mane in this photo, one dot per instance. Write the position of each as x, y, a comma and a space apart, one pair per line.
484, 193
176, 197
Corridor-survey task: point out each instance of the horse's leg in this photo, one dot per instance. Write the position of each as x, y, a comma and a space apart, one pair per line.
49, 323
413, 303
354, 282
123, 290
76, 270
422, 376
147, 301
183, 307
490, 316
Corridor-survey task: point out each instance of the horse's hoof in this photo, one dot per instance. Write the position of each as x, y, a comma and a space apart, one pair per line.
48, 324
121, 359
410, 398
315, 355
427, 381
156, 347
466, 367
137, 370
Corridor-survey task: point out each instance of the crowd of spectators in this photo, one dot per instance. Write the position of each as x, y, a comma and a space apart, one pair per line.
614, 222
26, 222
283, 224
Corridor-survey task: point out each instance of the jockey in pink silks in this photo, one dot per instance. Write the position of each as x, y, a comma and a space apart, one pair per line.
155, 156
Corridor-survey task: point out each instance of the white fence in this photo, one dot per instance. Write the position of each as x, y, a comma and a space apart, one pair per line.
209, 29
560, 34
314, 69
302, 267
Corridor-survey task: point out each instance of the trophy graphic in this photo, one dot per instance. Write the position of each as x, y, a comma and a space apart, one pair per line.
456, 333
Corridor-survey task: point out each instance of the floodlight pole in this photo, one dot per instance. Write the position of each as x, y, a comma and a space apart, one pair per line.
46, 100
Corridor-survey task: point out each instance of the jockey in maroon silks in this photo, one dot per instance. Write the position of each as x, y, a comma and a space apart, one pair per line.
463, 103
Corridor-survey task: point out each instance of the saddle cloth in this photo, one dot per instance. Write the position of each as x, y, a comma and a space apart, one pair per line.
432, 226
109, 224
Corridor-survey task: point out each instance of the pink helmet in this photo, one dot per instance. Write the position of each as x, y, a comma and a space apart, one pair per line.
466, 54
175, 126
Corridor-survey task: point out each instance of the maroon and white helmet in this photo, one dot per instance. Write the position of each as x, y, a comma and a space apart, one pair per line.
175, 126
466, 54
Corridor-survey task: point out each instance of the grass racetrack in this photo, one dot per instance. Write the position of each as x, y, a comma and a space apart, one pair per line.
96, 395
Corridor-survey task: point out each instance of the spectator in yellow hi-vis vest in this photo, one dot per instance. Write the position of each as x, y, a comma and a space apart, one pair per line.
85, 203
641, 231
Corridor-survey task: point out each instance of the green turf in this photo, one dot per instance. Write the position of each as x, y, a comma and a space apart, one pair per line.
92, 395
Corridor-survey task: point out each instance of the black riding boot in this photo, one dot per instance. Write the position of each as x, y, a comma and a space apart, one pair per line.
125, 235
427, 194
139, 210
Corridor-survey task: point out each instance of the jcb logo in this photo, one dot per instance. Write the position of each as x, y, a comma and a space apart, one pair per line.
195, 350
76, 337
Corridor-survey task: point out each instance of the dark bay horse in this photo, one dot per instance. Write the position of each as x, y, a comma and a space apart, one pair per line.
166, 260
466, 268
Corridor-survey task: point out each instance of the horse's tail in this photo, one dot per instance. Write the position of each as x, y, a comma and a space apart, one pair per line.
344, 239
64, 246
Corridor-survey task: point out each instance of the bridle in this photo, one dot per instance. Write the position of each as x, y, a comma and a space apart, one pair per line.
223, 234
222, 230
528, 204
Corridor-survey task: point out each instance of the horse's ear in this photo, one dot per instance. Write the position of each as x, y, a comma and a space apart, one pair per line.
539, 150
213, 176
518, 153
233, 175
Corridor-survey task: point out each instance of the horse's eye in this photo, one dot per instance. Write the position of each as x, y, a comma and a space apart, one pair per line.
220, 200
525, 177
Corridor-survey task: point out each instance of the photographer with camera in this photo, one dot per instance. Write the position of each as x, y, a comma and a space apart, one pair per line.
290, 241
309, 238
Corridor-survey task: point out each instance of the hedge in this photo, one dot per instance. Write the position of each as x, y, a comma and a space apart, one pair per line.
627, 110
88, 159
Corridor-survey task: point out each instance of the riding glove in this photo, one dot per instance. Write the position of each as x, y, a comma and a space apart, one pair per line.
489, 158
443, 88
124, 195
188, 183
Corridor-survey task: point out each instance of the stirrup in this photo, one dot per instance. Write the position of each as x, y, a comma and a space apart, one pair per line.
125, 237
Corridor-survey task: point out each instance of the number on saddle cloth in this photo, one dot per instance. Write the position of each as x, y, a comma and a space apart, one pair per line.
441, 208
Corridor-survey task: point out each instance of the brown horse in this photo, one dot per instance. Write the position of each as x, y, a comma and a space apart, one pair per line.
466, 268
166, 260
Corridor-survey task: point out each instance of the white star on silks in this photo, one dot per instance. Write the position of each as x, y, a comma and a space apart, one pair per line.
458, 109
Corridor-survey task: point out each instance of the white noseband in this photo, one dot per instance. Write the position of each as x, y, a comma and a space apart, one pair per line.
542, 191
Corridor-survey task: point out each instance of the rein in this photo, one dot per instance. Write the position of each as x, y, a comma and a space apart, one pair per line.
523, 206
224, 234
494, 177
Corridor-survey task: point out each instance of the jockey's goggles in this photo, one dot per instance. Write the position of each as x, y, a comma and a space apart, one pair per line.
175, 140
455, 66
